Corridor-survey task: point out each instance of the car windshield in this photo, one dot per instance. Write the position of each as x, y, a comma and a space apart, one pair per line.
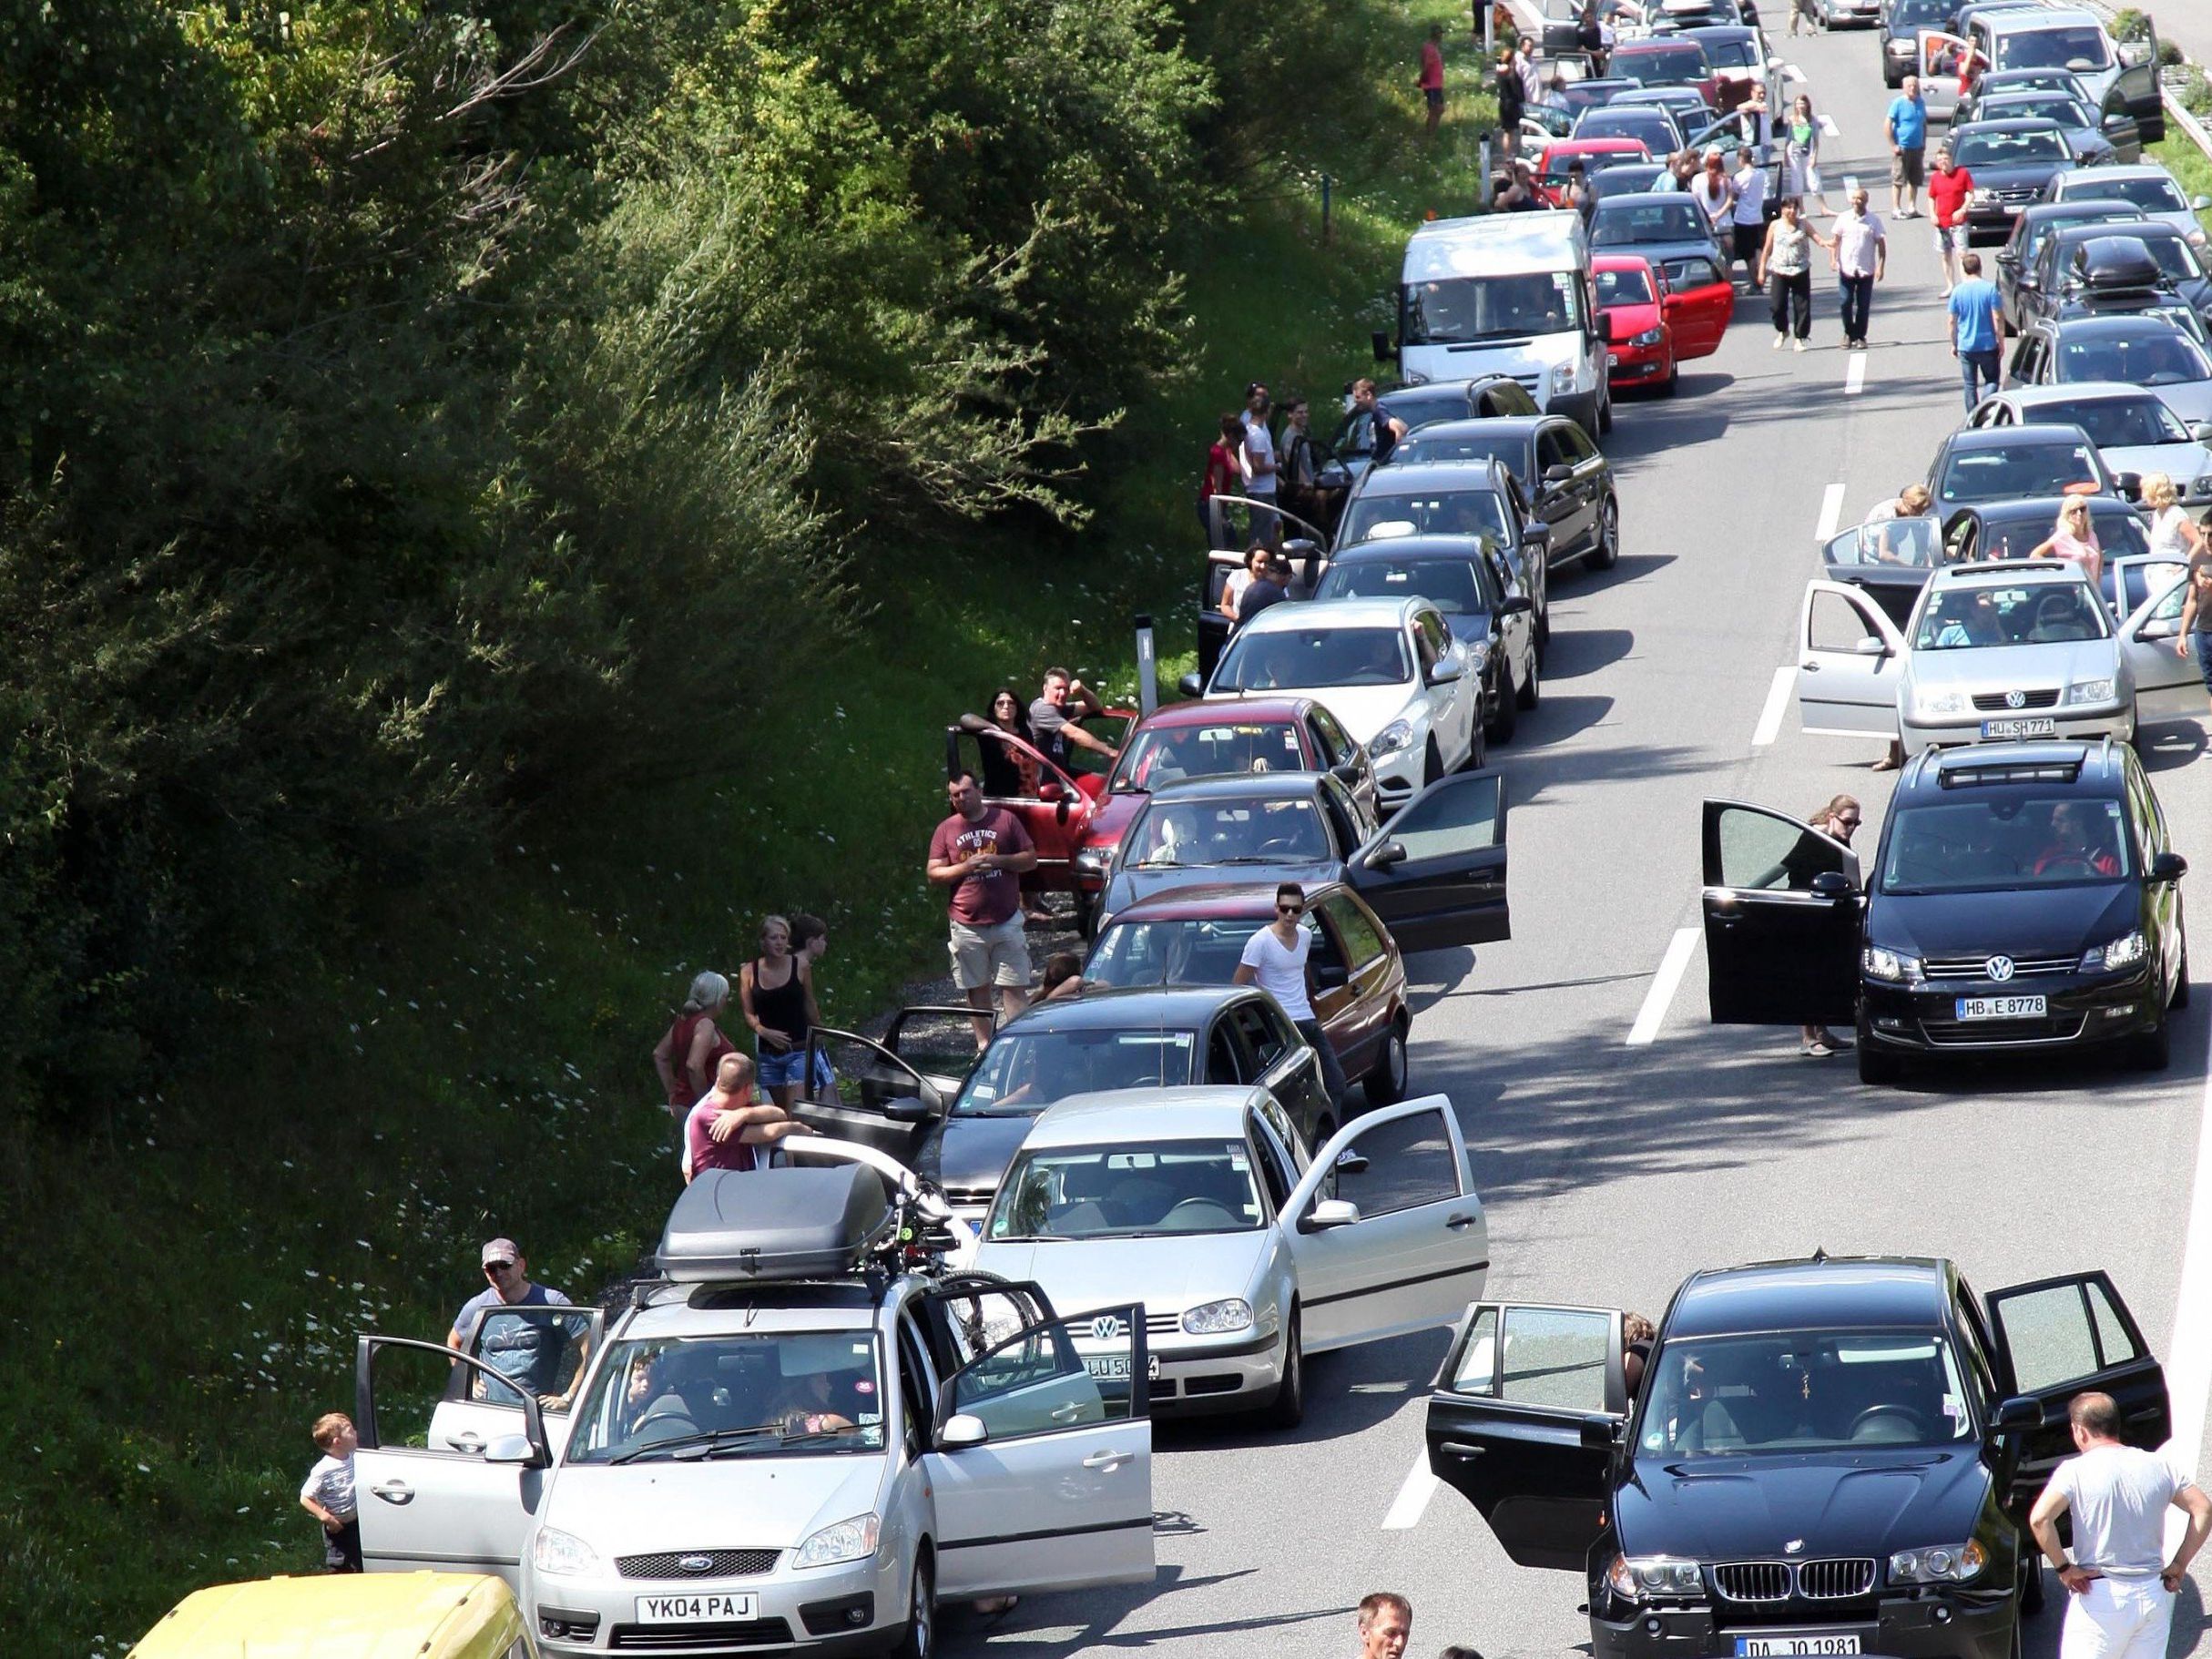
1165, 755
1455, 585
1023, 1072
2147, 191
1802, 1391
762, 1394
1630, 219
1456, 513
1649, 64
1313, 659
1486, 441
2035, 105
1458, 310
1171, 834
2048, 467
1918, 14
1913, 542
1128, 1192
1988, 149
1623, 287
1632, 151
1179, 950
2076, 46
2118, 422
2156, 355
1970, 616
2005, 842
1646, 126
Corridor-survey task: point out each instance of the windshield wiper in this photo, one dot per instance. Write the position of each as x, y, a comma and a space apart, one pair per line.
697, 1444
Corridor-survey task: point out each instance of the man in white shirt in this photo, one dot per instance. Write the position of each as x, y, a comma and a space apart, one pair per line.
1276, 960
1747, 218
2120, 1583
1260, 468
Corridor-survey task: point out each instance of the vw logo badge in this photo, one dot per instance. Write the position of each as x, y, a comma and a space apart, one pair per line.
2016, 700
1106, 1327
696, 1563
2000, 968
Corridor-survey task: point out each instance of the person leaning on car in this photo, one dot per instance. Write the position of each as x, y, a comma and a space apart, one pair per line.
2120, 1583
1277, 959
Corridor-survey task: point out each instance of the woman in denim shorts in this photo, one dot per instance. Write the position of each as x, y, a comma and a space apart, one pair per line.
777, 992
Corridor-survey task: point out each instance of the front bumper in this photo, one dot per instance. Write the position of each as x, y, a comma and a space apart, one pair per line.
858, 1608
2080, 1008
1868, 12
1398, 776
1635, 366
2084, 722
1233, 1376
1933, 1626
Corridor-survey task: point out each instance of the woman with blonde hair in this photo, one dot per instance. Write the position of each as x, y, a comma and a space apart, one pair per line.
2173, 532
692, 1047
775, 991
2073, 539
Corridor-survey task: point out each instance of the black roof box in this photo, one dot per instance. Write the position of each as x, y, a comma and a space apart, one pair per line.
774, 1223
2106, 263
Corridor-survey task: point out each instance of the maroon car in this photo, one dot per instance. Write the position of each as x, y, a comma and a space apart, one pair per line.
1209, 739
1195, 935
1055, 803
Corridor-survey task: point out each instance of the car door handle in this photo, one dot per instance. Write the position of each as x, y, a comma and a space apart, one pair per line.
1068, 1412
1106, 1460
1461, 1448
1808, 667
467, 1442
395, 1491
1456, 1222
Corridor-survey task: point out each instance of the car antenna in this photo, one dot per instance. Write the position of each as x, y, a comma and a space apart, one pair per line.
1819, 1253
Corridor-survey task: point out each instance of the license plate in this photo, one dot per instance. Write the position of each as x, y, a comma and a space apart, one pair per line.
1152, 1367
2038, 726
1999, 1008
708, 1608
1110, 1366
1831, 1643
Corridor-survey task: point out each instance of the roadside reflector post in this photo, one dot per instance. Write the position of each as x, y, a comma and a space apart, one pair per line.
1148, 668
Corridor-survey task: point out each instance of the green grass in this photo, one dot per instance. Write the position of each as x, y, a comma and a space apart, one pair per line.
2189, 165
473, 1059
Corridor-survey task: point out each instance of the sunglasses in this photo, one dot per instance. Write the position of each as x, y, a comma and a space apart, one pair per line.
1289, 909
1849, 823
497, 1266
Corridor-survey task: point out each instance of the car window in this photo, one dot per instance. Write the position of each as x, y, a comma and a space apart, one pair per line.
1361, 943
1980, 1371
916, 1391
1575, 445
1758, 849
1268, 1041
2048, 1337
1408, 1164
1554, 1358
1802, 1390
2016, 469
1336, 742
1623, 287
1982, 615
1274, 1164
1038, 1383
1225, 1059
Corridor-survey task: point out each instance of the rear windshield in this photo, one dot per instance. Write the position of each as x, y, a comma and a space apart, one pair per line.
1455, 587
1457, 513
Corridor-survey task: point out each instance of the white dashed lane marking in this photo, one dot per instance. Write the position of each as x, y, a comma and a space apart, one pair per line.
1777, 705
1664, 983
1854, 375
1831, 513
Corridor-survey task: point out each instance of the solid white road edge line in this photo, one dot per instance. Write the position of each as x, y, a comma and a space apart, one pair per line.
1412, 1496
1777, 701
2188, 1362
1854, 376
1653, 1015
1831, 513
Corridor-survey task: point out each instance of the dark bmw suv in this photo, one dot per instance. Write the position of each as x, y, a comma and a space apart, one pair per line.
1824, 1456
2024, 895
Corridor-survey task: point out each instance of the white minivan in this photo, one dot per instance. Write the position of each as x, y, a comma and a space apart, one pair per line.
1505, 293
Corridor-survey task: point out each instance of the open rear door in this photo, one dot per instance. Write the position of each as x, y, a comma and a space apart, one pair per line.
1436, 874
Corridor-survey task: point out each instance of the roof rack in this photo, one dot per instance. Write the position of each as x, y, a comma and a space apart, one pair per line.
2008, 772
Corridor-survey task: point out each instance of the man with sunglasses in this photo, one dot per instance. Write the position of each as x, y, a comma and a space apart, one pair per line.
526, 1350
1277, 960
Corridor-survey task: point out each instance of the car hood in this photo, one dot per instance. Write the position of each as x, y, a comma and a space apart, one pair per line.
1363, 710
2005, 667
2181, 462
2190, 400
1169, 1275
970, 1155
1779, 1506
1104, 832
649, 1508
2037, 922
1635, 316
1128, 886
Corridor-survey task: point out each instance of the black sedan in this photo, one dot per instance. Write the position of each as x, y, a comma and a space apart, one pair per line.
2024, 896
2016, 260
1660, 226
2010, 162
2083, 270
1829, 1455
1978, 463
1566, 480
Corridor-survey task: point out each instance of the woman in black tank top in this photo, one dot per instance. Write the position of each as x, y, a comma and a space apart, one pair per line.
781, 1013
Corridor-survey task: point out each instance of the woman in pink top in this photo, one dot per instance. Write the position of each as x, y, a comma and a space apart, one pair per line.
2073, 538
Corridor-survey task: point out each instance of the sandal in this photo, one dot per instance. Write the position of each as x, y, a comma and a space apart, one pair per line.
1818, 1051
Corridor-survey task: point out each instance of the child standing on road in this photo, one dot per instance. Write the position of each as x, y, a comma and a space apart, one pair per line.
328, 1493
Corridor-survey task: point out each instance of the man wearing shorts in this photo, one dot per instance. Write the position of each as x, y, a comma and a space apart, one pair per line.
979, 854
1948, 188
1908, 128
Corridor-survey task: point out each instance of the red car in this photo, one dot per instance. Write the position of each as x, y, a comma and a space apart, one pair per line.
1672, 60
1055, 804
1593, 153
1207, 739
1660, 325
1194, 935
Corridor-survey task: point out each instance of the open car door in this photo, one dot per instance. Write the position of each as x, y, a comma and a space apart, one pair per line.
1385, 1229
886, 1095
1436, 873
1850, 656
2137, 87
427, 1505
1782, 915
2057, 1337
556, 1340
1700, 300
1524, 1421
2169, 685
1041, 1459
2133, 577
1016, 776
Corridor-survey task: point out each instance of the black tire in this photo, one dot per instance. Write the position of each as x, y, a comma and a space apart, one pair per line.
1500, 726
919, 1641
1605, 410
1432, 766
1086, 916
1608, 553
1878, 1067
1673, 383
2181, 978
1532, 688
2154, 1049
1386, 1083
1287, 1409
2031, 1592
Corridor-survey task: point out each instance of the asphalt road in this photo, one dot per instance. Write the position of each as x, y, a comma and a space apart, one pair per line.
1610, 1171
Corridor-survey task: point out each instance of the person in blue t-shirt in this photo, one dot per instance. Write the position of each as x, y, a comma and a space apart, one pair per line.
1977, 328
1908, 130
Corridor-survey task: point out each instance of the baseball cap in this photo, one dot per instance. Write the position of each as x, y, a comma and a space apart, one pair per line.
502, 1249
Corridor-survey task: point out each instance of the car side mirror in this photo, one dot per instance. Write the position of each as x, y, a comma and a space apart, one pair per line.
1515, 604
1872, 646
1615, 331
1383, 350
907, 1109
1537, 535
962, 1430
1061, 808
2027, 282
1832, 884
2020, 1413
2128, 484
2201, 431
1190, 685
2198, 204
1559, 473
1601, 1433
518, 1450
1386, 855
1330, 1213
2168, 867
2116, 121
1447, 669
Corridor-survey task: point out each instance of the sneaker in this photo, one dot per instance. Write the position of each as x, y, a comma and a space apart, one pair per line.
1777, 340
1797, 345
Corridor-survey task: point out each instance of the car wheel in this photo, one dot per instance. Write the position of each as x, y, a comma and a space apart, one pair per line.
1543, 629
2154, 1049
1608, 550
1878, 1067
1532, 688
920, 1642
2031, 1589
1605, 410
1287, 1409
1500, 726
1386, 1084
2181, 979
1432, 765
1673, 383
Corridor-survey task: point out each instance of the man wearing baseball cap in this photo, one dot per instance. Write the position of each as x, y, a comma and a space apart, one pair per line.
526, 1349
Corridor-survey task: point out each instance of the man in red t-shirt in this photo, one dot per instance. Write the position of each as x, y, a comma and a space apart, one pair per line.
1432, 76
1948, 189
979, 854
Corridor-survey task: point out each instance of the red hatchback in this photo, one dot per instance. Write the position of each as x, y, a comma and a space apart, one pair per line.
1055, 804
1660, 324
1208, 739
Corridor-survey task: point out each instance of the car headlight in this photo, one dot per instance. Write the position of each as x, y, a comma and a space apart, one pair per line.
2090, 691
1985, 196
2125, 952
1215, 1319
1391, 738
1879, 961
854, 1539
1935, 705
1942, 1563
553, 1551
1650, 337
1636, 1578
1563, 377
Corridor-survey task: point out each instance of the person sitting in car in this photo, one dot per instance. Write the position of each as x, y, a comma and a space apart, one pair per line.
2081, 843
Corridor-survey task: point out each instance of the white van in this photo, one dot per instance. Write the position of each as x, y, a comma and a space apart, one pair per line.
1508, 293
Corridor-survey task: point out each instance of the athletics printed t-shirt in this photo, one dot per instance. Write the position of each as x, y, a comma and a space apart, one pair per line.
984, 898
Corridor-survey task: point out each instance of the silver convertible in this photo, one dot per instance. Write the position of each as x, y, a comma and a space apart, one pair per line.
1202, 1203
2011, 649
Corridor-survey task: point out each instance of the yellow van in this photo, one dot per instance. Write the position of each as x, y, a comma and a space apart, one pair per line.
349, 1615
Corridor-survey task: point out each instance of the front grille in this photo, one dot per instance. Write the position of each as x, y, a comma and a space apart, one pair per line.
970, 1198
1752, 1581
1163, 1324
724, 1563
1834, 1580
1977, 967
1999, 702
748, 1633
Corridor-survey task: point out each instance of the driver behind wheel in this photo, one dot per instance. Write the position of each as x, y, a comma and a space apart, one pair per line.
2082, 842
